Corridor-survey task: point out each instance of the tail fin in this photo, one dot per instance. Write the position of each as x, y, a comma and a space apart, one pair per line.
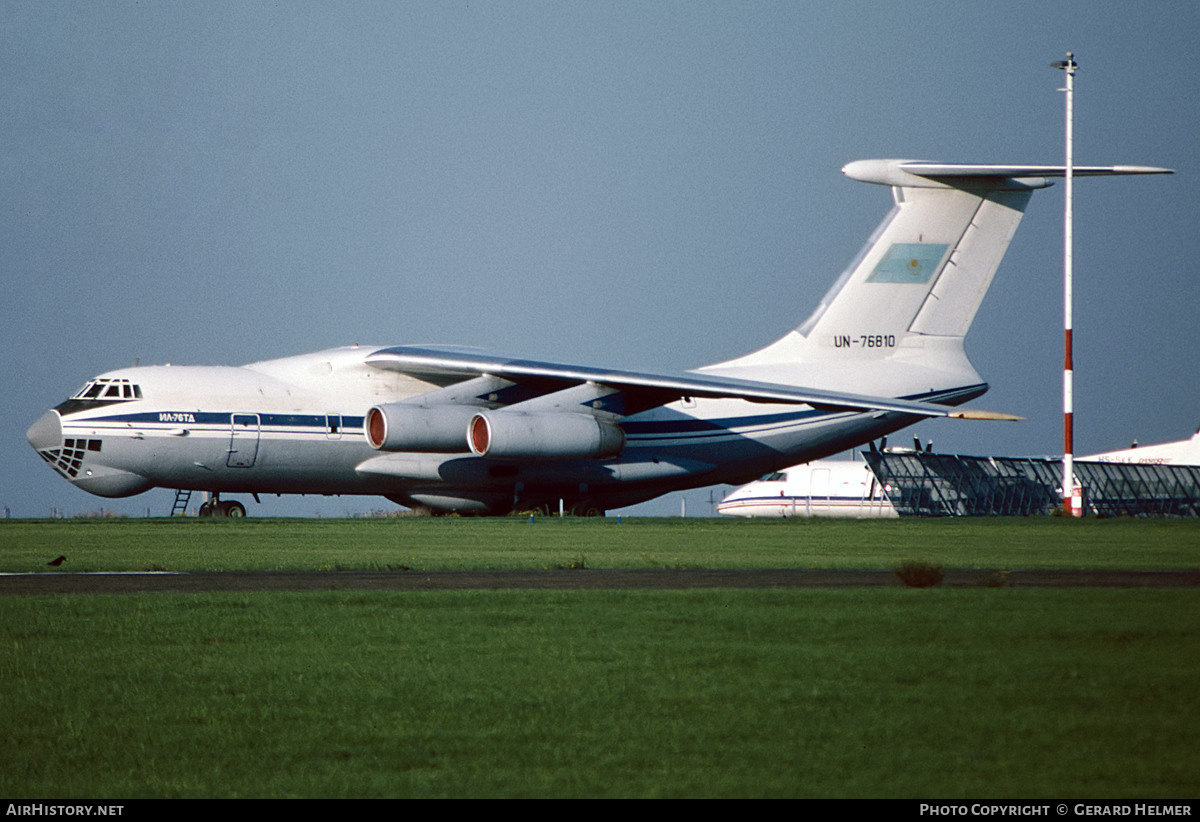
913, 290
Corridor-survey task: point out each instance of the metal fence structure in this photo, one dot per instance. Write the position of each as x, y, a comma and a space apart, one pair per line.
948, 485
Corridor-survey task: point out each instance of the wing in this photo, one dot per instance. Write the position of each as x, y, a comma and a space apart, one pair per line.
639, 391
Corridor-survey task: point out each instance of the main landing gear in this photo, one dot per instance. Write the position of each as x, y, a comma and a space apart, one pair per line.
216, 507
586, 508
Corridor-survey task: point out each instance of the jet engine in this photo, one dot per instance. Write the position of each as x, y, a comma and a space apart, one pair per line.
399, 426
542, 435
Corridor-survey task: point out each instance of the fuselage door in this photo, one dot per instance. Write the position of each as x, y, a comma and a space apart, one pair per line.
818, 488
333, 426
243, 441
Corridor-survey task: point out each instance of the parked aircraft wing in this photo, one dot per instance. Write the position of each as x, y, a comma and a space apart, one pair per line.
648, 390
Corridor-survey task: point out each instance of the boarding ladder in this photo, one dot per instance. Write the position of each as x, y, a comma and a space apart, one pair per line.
182, 498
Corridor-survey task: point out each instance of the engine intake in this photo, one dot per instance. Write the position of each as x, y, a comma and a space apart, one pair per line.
401, 426
544, 435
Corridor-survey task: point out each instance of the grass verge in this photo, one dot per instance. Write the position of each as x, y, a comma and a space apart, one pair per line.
723, 693
940, 693
469, 544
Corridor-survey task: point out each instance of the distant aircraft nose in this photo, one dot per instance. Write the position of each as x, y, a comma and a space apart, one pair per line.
46, 433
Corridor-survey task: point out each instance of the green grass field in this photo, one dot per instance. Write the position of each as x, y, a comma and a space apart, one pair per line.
934, 693
514, 543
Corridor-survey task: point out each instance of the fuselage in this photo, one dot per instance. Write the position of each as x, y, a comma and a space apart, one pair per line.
295, 426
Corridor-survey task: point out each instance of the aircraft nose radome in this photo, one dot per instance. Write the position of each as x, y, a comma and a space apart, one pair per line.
46, 433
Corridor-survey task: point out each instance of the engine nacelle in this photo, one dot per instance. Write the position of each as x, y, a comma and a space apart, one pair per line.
542, 435
399, 426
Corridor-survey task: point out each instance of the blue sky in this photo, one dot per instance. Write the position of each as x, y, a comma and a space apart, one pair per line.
644, 185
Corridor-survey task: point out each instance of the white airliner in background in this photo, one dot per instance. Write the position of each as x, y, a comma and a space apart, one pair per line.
849, 489
839, 489
1180, 452
455, 430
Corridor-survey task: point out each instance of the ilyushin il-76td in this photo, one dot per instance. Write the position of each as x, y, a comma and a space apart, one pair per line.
455, 430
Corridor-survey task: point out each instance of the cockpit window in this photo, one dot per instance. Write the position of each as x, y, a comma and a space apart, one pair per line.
109, 390
99, 393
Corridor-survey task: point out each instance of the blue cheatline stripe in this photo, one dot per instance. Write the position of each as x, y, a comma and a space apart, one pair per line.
223, 419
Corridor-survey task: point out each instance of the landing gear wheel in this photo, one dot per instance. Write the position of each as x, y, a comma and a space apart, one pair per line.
586, 508
218, 508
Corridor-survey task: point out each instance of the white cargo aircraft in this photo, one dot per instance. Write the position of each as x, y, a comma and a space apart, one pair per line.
455, 430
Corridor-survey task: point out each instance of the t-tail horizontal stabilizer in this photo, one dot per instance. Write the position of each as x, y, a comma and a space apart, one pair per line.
918, 173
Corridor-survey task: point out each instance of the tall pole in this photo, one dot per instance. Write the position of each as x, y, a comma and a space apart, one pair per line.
1070, 503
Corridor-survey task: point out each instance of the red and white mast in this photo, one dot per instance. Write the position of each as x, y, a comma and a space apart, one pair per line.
1071, 496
